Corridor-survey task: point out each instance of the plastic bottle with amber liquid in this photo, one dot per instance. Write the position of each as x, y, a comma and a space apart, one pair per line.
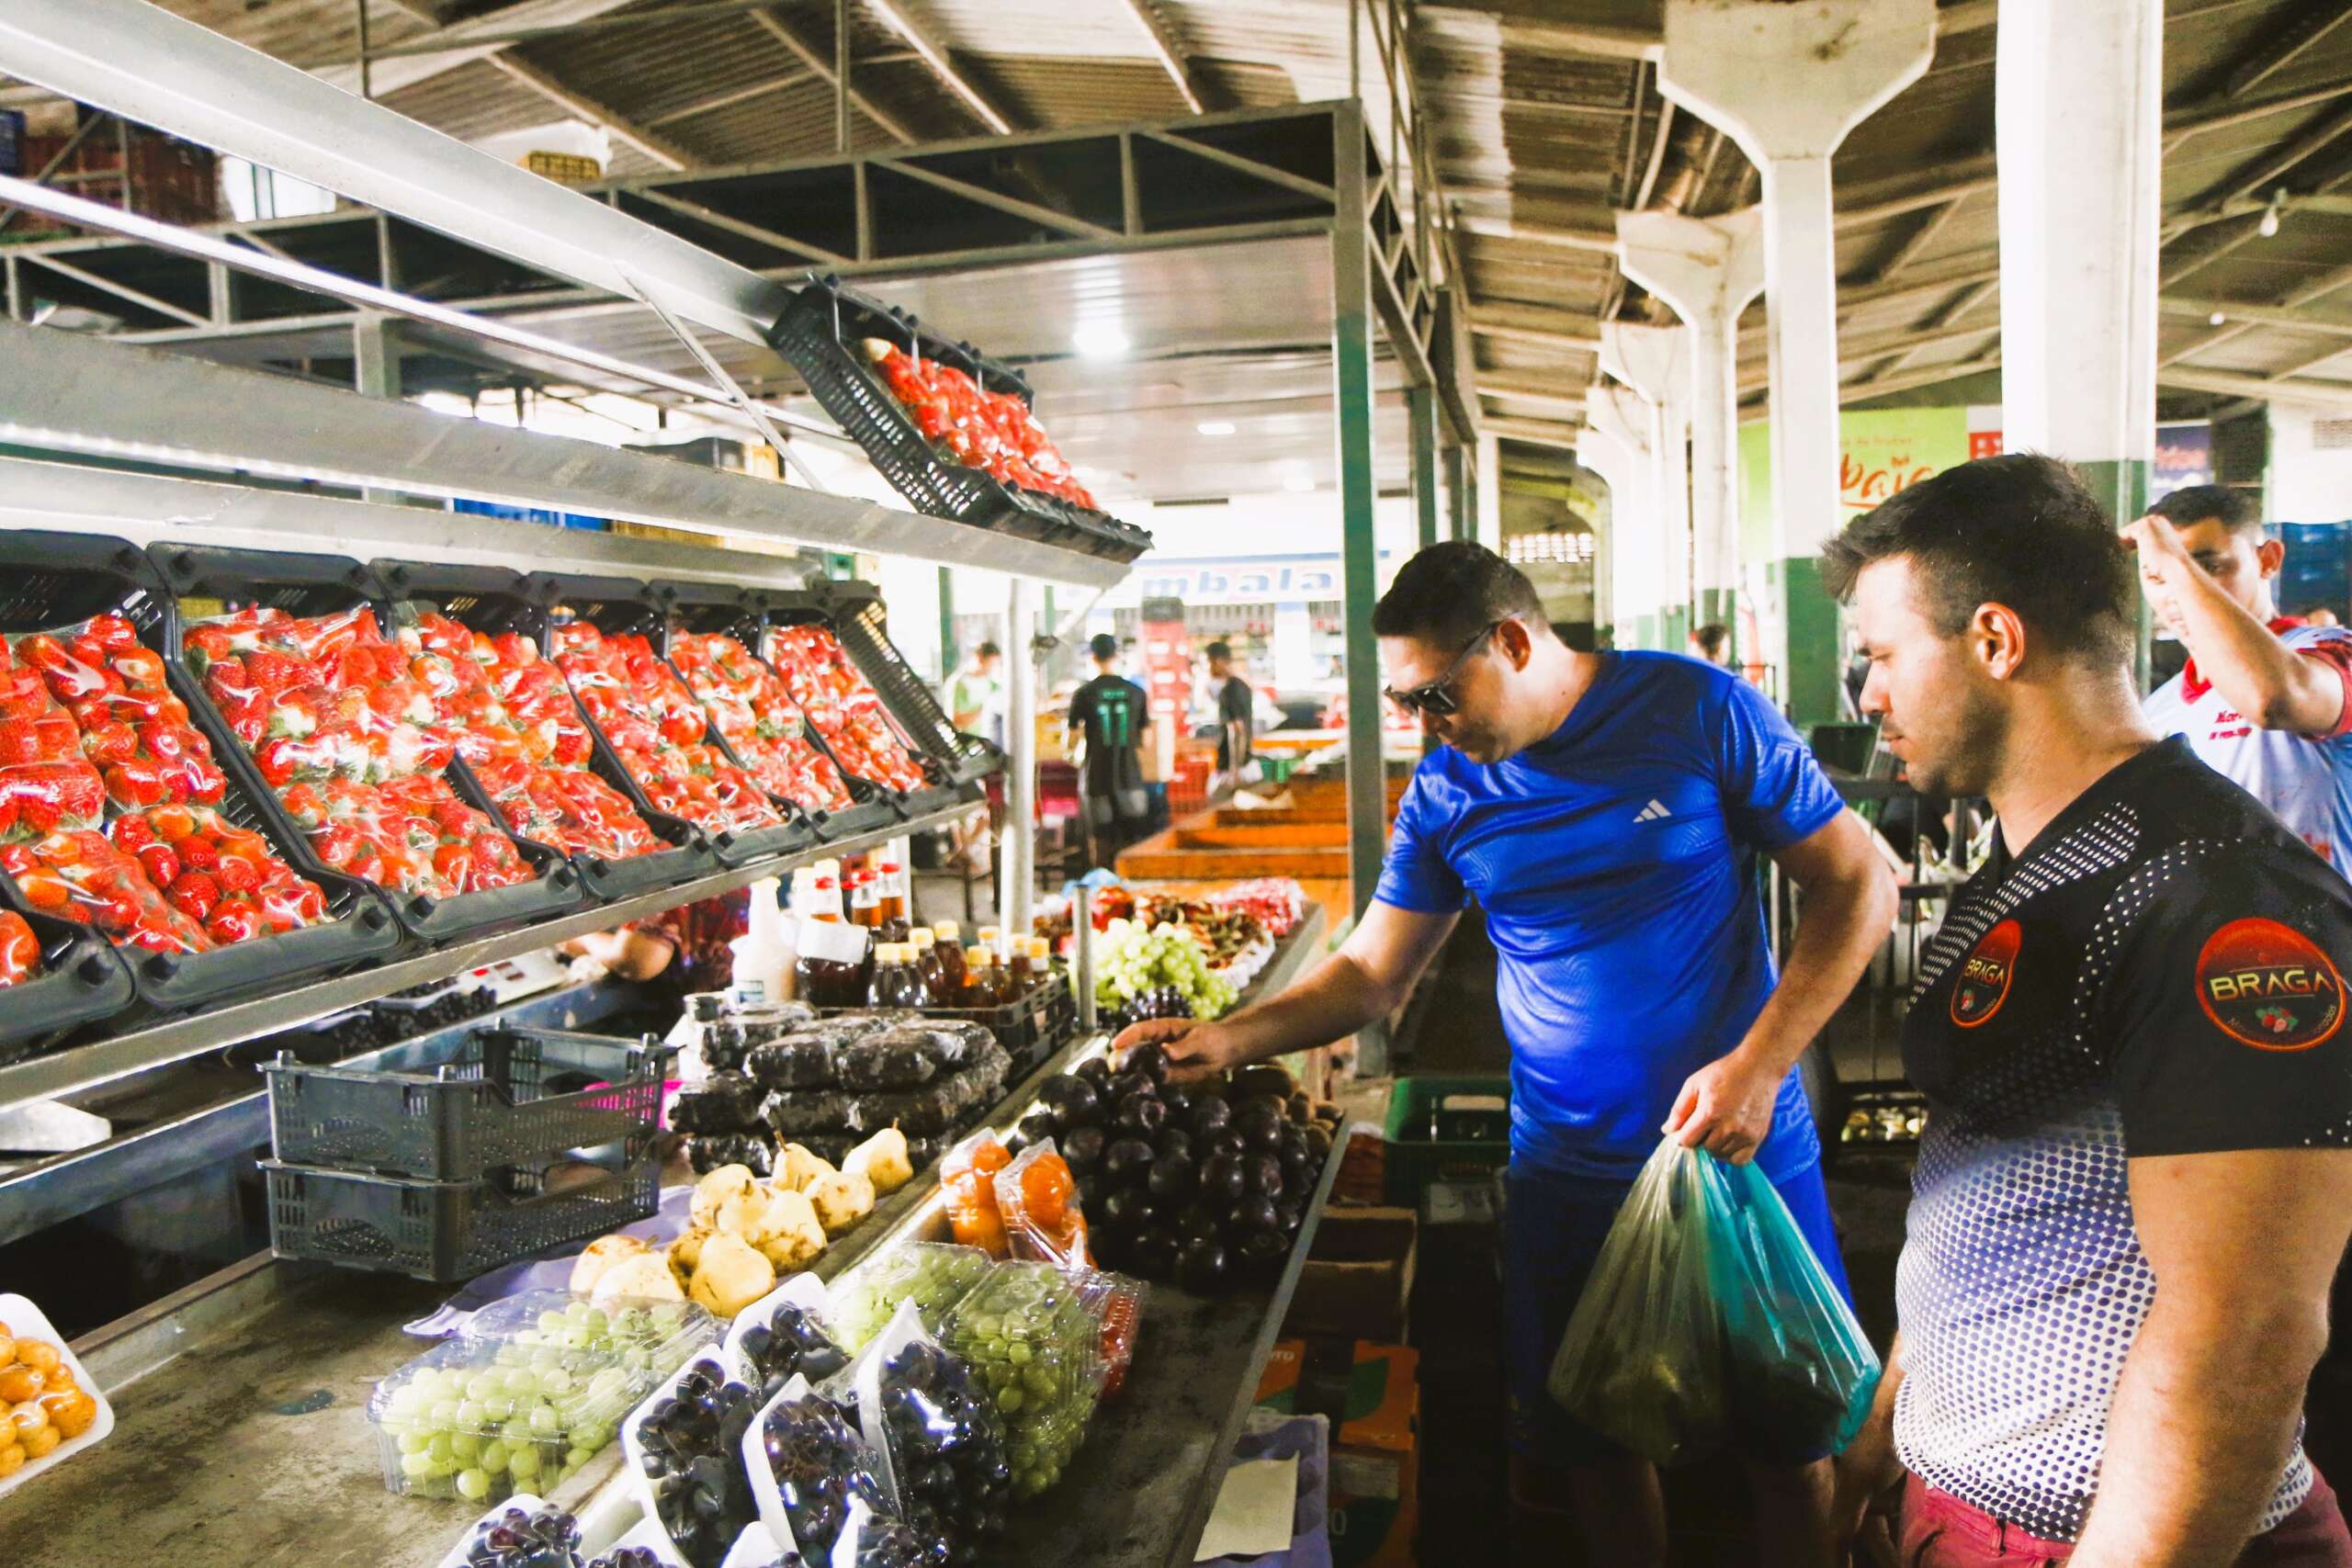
1020, 963
948, 944
896, 982
891, 883
864, 900
832, 968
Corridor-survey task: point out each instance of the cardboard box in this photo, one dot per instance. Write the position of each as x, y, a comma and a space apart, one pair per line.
1372, 1394
1358, 1278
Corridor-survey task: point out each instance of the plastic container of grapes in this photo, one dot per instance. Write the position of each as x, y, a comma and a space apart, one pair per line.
935, 1275
1033, 1343
774, 1512
26, 1321
803, 1291
755, 1548
580, 1422
640, 1485
652, 1338
608, 1525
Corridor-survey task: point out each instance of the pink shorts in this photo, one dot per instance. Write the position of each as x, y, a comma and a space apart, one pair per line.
1941, 1531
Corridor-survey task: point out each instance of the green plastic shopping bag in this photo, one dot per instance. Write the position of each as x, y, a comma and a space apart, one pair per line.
1641, 1361
1708, 1313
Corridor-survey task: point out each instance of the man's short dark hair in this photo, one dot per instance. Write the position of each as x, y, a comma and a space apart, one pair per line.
1447, 591
991, 650
2232, 509
1219, 650
1711, 637
2020, 530
1102, 645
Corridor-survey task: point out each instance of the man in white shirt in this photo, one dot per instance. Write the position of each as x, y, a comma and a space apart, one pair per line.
2266, 700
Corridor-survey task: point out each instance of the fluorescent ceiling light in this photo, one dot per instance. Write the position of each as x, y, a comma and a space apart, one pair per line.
1101, 339
1214, 427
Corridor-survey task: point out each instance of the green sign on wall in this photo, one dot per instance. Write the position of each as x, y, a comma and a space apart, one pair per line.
1881, 451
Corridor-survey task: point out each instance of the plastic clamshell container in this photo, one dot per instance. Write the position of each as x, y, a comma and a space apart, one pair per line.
26, 1321
50, 579
1033, 1343
484, 1109
491, 600
608, 1523
456, 1421
305, 584
803, 1292
82, 979
619, 606
936, 1276
655, 1338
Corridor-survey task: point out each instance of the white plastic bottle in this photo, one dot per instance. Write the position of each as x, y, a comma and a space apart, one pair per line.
764, 955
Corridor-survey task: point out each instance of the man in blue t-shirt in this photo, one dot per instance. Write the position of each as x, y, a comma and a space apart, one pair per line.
1607, 813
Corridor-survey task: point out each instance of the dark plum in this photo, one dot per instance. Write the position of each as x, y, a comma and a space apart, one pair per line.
1149, 1060
1223, 1180
1266, 1175
1082, 1148
1209, 1116
1141, 1114
1126, 1161
1201, 1267
1173, 1177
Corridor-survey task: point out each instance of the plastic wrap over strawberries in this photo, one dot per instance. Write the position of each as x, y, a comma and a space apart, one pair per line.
354, 743
842, 703
511, 717
752, 709
133, 730
657, 729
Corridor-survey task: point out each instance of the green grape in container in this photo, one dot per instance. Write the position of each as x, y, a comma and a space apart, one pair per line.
934, 1275
1035, 1347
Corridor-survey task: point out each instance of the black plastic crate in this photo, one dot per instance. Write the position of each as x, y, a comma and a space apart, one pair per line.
740, 613
82, 979
449, 1231
491, 600
817, 335
854, 614
493, 1104
301, 585
50, 579
620, 606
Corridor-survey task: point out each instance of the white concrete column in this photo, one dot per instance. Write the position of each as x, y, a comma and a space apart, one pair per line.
1708, 270
2078, 103
1656, 363
1787, 82
1614, 443
1017, 871
1490, 490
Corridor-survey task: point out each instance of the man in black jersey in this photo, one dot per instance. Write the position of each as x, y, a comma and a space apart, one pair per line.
2136, 1180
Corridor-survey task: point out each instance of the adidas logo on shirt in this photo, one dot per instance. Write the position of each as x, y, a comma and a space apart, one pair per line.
1655, 811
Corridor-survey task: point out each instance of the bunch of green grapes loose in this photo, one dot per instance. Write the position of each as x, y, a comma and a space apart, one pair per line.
1138, 960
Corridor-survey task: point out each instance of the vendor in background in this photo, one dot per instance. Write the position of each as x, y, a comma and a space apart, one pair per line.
976, 696
1234, 719
1107, 717
2136, 1179
1607, 813
683, 949
2266, 700
1711, 642
2321, 615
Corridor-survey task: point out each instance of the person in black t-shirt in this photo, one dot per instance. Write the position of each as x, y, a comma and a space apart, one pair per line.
1107, 716
1234, 714
2136, 1180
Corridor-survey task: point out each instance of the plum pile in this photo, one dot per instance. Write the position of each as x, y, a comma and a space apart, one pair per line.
1200, 1183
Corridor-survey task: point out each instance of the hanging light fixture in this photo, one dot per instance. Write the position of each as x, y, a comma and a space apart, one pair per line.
2268, 227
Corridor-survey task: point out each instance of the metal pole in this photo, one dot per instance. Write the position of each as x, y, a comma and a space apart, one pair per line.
950, 656
840, 75
1020, 874
367, 77
1351, 354
1355, 51
1420, 414
1081, 955
1457, 492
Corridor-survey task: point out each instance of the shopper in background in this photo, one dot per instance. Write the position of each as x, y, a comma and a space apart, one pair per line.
2321, 615
2265, 701
1107, 716
1711, 642
685, 949
975, 697
1236, 721
1607, 813
2136, 1179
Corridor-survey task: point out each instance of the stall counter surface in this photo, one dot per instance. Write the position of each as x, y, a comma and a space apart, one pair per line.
241, 1438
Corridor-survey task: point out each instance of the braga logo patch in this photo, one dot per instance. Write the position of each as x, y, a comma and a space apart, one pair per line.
1984, 975
2267, 987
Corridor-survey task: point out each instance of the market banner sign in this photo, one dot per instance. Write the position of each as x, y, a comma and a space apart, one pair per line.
1881, 452
1240, 580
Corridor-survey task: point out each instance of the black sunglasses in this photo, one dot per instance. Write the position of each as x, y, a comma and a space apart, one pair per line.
1436, 697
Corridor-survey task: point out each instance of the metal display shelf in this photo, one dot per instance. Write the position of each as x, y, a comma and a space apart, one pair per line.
87, 1067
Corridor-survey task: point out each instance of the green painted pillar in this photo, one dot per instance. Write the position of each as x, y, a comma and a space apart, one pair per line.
1644, 631
1421, 418
1809, 684
950, 656
1460, 521
2122, 486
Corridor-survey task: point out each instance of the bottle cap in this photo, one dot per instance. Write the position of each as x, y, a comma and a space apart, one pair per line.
921, 937
947, 931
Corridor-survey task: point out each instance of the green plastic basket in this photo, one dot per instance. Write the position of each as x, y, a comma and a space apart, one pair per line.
1445, 1128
